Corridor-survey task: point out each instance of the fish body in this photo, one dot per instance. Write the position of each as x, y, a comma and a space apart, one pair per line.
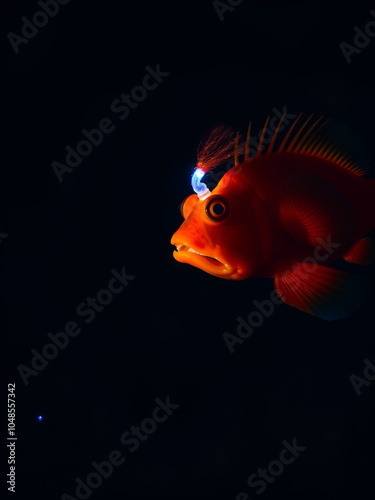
287, 215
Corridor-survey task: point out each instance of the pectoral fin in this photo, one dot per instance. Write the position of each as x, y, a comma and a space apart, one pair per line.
322, 291
363, 253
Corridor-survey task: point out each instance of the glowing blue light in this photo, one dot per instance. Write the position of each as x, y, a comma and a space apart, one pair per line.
199, 173
199, 187
40, 417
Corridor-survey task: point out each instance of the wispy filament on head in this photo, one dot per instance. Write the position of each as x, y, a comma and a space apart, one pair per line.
217, 148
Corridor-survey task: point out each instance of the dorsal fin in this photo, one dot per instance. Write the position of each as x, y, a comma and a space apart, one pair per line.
222, 144
311, 143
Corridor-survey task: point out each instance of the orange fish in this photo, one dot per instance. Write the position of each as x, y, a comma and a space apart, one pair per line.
283, 214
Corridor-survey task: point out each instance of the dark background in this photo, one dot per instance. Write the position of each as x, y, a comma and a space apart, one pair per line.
162, 336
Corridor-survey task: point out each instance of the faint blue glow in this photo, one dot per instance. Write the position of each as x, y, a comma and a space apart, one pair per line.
199, 187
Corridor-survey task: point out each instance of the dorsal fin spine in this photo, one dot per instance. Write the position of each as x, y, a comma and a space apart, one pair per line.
299, 146
281, 148
291, 145
259, 150
270, 148
247, 147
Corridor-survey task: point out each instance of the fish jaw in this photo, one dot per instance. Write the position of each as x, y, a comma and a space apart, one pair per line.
186, 254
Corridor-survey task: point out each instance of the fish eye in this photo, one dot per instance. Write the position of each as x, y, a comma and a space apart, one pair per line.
217, 208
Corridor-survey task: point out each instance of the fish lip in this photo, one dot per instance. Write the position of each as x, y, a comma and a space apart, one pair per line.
206, 263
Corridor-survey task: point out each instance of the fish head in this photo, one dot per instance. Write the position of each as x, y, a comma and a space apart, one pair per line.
228, 234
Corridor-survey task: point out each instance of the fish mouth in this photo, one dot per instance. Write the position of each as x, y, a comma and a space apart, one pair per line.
187, 255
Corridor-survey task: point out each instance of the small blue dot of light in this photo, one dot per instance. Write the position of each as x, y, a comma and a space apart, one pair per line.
40, 417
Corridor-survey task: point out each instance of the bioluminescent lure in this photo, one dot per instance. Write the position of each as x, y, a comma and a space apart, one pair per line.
284, 214
199, 187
